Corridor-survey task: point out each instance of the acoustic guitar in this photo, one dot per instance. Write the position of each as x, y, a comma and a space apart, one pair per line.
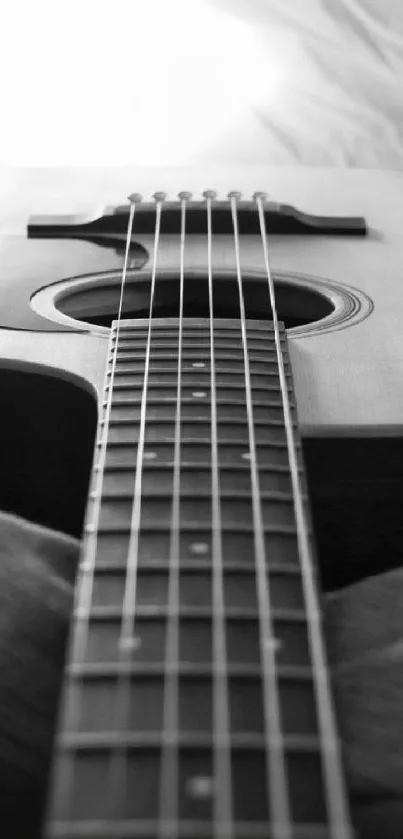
222, 335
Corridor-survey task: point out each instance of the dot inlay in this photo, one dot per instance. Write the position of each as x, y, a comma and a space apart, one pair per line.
200, 786
199, 548
130, 643
86, 566
274, 643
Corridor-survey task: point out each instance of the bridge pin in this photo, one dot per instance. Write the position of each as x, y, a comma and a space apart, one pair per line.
235, 194
210, 193
200, 786
260, 196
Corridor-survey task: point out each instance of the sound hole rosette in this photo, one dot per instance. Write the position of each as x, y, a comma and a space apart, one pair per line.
322, 304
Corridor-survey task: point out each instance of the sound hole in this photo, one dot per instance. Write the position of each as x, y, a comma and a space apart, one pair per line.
98, 303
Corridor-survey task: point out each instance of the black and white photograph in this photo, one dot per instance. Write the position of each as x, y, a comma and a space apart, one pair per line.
201, 419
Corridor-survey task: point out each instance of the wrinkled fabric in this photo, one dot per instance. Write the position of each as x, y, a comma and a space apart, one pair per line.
273, 82
37, 568
334, 74
364, 631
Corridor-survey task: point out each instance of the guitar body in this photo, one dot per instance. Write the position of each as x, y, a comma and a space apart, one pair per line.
344, 378
345, 351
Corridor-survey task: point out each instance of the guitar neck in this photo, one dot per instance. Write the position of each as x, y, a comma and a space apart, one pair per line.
193, 675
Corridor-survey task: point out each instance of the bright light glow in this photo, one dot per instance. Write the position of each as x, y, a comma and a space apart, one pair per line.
144, 82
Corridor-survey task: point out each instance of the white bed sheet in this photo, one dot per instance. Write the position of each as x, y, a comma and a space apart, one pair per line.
338, 97
168, 82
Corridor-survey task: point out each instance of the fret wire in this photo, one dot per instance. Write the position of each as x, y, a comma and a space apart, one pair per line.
118, 766
189, 401
240, 613
84, 590
168, 825
192, 527
198, 326
194, 494
222, 812
190, 356
196, 829
299, 672
334, 784
278, 795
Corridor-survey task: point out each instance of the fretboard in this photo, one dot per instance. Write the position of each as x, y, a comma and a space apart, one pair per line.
190, 704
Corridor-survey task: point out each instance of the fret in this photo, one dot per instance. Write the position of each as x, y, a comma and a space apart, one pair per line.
112, 567
160, 430
126, 829
165, 410
89, 785
242, 637
257, 345
236, 447
132, 374
188, 426
300, 674
170, 359
167, 378
196, 357
90, 780
221, 336
195, 588
159, 493
197, 368
186, 612
228, 468
261, 396
134, 401
195, 327
196, 352
196, 511
225, 328
238, 546
228, 390
197, 363
196, 451
122, 481
160, 350
137, 737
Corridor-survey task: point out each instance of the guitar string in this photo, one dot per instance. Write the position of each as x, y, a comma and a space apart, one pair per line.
83, 593
168, 827
277, 787
128, 642
222, 786
335, 791
85, 589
